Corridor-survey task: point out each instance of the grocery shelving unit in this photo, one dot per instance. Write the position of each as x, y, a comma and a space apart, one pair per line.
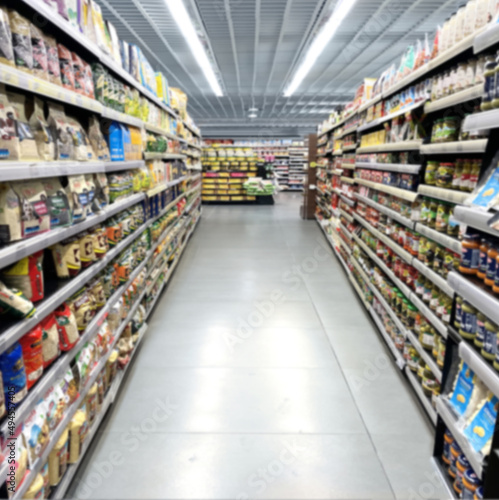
333, 219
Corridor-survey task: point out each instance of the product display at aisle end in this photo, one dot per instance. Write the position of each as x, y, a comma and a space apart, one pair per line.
100, 192
407, 196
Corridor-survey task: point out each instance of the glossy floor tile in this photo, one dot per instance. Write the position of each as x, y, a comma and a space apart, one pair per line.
260, 376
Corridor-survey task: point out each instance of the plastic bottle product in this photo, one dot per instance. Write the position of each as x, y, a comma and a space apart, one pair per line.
489, 83
470, 18
468, 326
445, 175
432, 214
489, 349
470, 254
491, 265
444, 37
480, 330
458, 173
460, 20
476, 168
482, 14
459, 312
482, 261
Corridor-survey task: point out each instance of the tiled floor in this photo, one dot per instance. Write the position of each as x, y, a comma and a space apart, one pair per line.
261, 376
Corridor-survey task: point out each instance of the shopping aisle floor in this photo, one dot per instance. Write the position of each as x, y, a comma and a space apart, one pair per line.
261, 376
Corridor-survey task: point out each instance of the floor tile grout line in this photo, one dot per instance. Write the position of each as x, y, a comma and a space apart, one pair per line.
346, 381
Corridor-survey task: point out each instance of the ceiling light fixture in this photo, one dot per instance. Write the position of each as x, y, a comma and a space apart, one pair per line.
253, 115
325, 35
183, 20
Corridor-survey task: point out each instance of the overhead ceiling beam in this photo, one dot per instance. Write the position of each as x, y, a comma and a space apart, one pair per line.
255, 46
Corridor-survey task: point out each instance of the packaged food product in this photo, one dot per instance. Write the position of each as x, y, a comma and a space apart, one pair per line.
67, 328
75, 13
99, 27
13, 373
36, 489
40, 58
82, 151
51, 349
6, 50
101, 190
31, 345
78, 196
27, 276
481, 425
59, 127
24, 144
36, 432
87, 253
14, 303
21, 41
470, 254
83, 308
59, 7
58, 203
58, 459
67, 69
10, 216
97, 140
93, 205
53, 65
66, 255
41, 132
78, 430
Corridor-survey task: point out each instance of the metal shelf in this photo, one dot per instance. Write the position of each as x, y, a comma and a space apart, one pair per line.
390, 167
466, 95
164, 156
348, 148
450, 195
111, 114
387, 211
118, 166
475, 218
485, 120
486, 39
349, 131
451, 421
418, 389
348, 201
403, 194
449, 148
13, 170
347, 216
15, 252
480, 298
348, 180
391, 116
395, 146
444, 240
433, 277
347, 233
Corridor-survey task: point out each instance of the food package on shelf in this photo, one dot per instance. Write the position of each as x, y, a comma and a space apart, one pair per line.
6, 50
21, 41
32, 347
27, 275
162, 88
41, 131
36, 432
13, 373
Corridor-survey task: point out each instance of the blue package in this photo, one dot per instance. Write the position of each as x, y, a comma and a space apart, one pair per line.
116, 142
125, 55
127, 142
13, 374
464, 388
487, 195
481, 428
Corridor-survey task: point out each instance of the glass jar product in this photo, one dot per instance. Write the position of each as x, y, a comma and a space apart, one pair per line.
450, 132
445, 175
431, 172
458, 174
470, 254
489, 349
441, 352
479, 494
471, 483
480, 330
425, 210
412, 313
448, 440
442, 220
446, 309
423, 247
459, 312
432, 214
421, 368
420, 285
476, 168
428, 287
489, 83
453, 226
429, 382
482, 260
412, 358
448, 263
438, 261
427, 337
435, 298
468, 326
415, 240
431, 248
490, 274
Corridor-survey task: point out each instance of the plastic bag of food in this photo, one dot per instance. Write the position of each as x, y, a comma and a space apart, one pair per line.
31, 345
93, 206
6, 50
3, 408
13, 373
58, 203
78, 194
67, 327
51, 350
27, 276
41, 132
96, 289
58, 6
36, 432
55, 406
35, 216
14, 303
75, 14
101, 190
81, 145
101, 37
82, 306
53, 65
66, 256
40, 58
10, 216
21, 41
78, 430
87, 253
79, 74
26, 144
67, 69
89, 81
59, 126
97, 140
58, 459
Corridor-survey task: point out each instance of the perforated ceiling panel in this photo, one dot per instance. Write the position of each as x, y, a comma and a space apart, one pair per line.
257, 45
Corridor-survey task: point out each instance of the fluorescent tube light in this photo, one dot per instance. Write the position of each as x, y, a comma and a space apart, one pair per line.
325, 35
184, 22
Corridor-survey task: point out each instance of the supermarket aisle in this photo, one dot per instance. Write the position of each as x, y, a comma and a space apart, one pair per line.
261, 377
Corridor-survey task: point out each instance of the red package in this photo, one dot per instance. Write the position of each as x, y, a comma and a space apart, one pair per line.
67, 327
79, 74
89, 81
32, 347
27, 276
51, 350
67, 70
